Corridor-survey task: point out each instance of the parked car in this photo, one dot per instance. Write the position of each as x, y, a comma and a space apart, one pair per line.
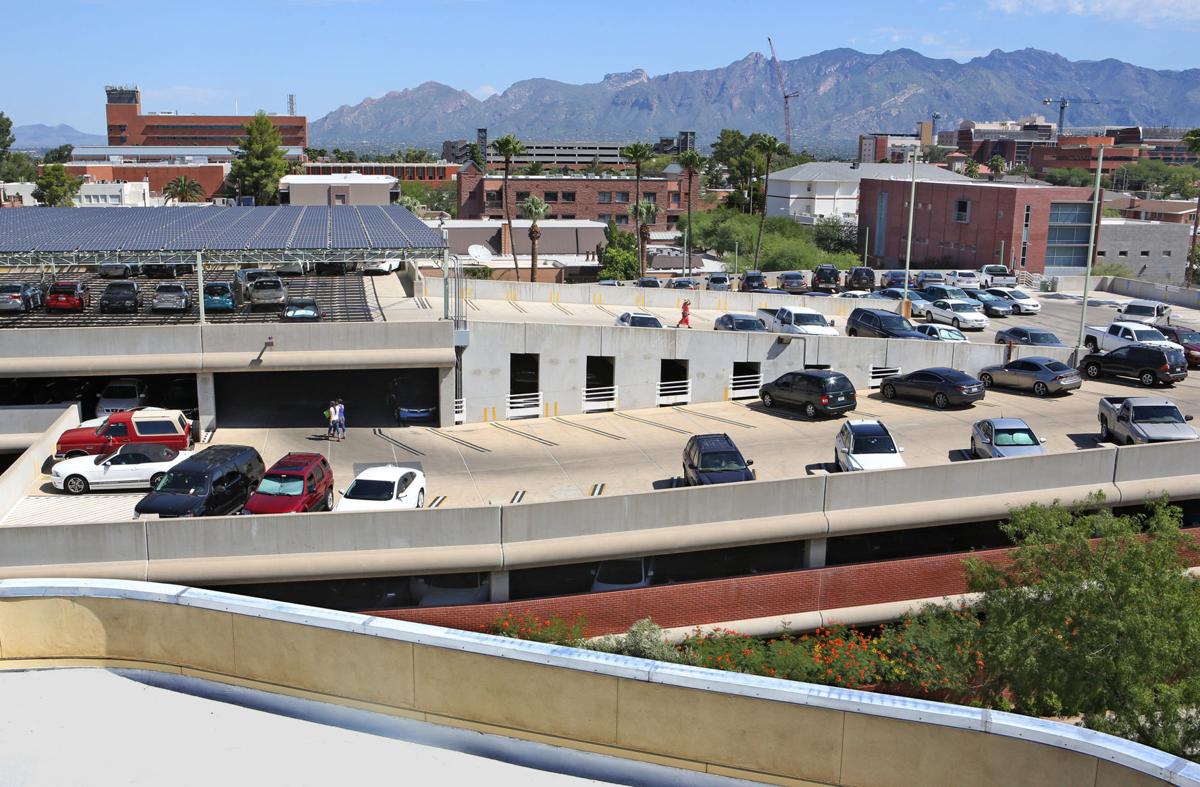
943, 386
219, 297
797, 319
408, 405
268, 292
122, 297
960, 314
302, 309
944, 292
178, 393
997, 438
738, 322
826, 277
389, 265
167, 270
118, 270
297, 482
860, 278
866, 445
146, 425
818, 392
718, 282
1035, 337
1149, 364
793, 282
332, 267
1144, 311
123, 393
996, 275
1021, 301
943, 333
752, 280
292, 268
682, 283
1042, 376
927, 278
446, 590
129, 466
214, 482
68, 296
880, 324
1119, 334
916, 298
1187, 338
171, 297
992, 306
609, 283
648, 281
384, 488
1137, 420
896, 279
638, 320
19, 297
714, 459
623, 574
853, 294
244, 277
963, 279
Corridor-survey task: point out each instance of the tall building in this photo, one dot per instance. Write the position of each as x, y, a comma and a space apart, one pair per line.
573, 154
1012, 140
127, 125
1084, 153
888, 148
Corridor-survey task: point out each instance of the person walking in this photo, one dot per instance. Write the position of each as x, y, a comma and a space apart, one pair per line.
331, 418
341, 420
686, 319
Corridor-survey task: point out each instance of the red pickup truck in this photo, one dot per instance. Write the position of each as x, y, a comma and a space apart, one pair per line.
142, 425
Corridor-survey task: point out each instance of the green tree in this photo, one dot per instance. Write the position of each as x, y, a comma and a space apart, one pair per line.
534, 168
17, 168
997, 165
58, 155
1192, 138
535, 209
258, 164
835, 236
416, 156
971, 168
619, 264
692, 164
442, 198
769, 147
410, 203
475, 153
55, 187
507, 147
594, 167
344, 156
183, 189
637, 154
313, 154
644, 212
1068, 177
933, 154
6, 136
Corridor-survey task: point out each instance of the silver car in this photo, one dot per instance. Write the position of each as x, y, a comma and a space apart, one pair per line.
171, 298
1043, 376
996, 438
243, 278
269, 292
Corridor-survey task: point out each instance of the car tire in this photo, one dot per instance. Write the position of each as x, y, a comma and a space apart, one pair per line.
1148, 378
1105, 433
956, 324
1040, 389
941, 401
328, 502
888, 391
1090, 344
1092, 370
928, 316
767, 400
421, 499
974, 449
810, 410
987, 380
852, 332
74, 454
154, 479
75, 485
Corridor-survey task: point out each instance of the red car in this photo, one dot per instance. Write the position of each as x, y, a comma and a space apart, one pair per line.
68, 296
297, 483
142, 425
1188, 338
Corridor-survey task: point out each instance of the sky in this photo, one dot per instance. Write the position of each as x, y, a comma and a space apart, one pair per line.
216, 55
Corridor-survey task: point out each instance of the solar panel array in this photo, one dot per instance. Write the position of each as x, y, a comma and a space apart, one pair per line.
341, 227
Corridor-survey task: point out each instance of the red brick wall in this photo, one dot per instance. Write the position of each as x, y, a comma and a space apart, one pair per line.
419, 173
211, 177
142, 129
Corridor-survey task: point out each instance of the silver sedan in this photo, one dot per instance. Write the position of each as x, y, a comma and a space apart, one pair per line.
997, 438
1043, 376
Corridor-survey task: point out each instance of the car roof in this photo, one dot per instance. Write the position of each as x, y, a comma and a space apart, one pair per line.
953, 300
1130, 324
714, 442
384, 473
740, 314
822, 373
1042, 359
940, 370
214, 455
1143, 302
868, 428
1006, 423
641, 314
296, 461
873, 311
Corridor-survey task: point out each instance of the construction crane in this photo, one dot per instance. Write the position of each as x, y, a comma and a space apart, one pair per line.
787, 97
1064, 102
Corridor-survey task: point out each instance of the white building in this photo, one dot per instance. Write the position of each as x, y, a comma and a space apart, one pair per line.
21, 192
822, 189
117, 194
343, 188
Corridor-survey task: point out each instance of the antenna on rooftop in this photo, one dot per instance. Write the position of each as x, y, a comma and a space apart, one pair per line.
291, 103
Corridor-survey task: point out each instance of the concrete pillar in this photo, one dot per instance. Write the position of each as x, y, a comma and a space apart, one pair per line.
206, 400
446, 396
498, 586
814, 552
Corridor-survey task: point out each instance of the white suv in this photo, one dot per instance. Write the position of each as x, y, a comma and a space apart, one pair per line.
866, 445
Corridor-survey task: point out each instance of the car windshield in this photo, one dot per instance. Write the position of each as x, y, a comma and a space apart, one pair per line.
749, 324
1020, 436
935, 277
169, 289
874, 444
644, 322
1187, 337
1148, 335
62, 289
1043, 337
120, 392
1020, 295
121, 287
366, 489
620, 572
984, 297
301, 310
952, 335
1157, 414
100, 428
719, 461
803, 318
998, 270
895, 323
1058, 366
182, 482
276, 484
10, 288
788, 276
216, 290
1145, 311
1175, 357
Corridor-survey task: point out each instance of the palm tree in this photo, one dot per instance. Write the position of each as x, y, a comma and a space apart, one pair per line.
644, 213
1192, 138
997, 165
507, 147
535, 209
769, 147
184, 189
534, 168
638, 154
692, 164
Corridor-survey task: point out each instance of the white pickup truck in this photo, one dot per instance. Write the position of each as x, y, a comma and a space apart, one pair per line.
996, 276
1119, 334
797, 319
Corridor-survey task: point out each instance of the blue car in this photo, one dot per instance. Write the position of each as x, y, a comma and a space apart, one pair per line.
218, 297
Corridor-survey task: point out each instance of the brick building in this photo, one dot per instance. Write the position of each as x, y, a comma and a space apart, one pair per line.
1083, 153
440, 173
128, 126
210, 176
595, 197
966, 225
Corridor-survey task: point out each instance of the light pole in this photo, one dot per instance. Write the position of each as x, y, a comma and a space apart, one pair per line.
1087, 271
905, 306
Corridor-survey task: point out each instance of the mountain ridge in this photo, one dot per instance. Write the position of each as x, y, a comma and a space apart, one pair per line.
40, 136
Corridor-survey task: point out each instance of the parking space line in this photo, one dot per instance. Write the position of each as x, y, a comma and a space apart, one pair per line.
597, 490
606, 311
393, 441
591, 429
460, 441
562, 309
517, 497
628, 417
526, 435
437, 502
471, 305
714, 418
518, 307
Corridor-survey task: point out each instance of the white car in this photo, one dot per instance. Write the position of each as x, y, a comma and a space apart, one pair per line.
866, 445
294, 267
963, 279
1020, 301
384, 488
638, 320
853, 294
960, 314
382, 266
131, 466
943, 333
124, 393
451, 590
1148, 312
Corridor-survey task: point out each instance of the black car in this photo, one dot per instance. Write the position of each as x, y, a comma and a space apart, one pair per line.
122, 297
860, 278
1035, 337
941, 385
648, 281
825, 277
739, 322
753, 280
331, 267
882, 324
992, 306
1150, 364
215, 482
714, 459
167, 270
816, 391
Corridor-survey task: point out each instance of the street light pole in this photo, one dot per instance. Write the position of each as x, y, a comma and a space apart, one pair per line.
1087, 271
905, 306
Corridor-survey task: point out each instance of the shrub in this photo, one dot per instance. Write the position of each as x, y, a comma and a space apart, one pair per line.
555, 630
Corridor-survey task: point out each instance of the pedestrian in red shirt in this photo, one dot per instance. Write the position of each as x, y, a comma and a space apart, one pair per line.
686, 319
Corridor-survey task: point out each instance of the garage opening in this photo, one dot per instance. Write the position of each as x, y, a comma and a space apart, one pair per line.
600, 391
373, 397
745, 380
524, 395
98, 395
674, 387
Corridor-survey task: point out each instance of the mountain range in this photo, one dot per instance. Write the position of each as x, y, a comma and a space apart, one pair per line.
841, 93
38, 136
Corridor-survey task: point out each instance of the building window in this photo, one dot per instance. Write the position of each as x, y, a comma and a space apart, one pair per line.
650, 196
621, 196
1166, 252
1145, 253
1070, 228
962, 211
568, 216
551, 196
1102, 253
1122, 254
522, 196
605, 217
568, 196
675, 199
604, 197
622, 219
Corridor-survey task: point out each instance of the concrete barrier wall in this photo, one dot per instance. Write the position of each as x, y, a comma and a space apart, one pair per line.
24, 472
1166, 293
740, 726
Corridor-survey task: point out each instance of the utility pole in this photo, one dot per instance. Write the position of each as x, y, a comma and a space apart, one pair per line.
200, 284
905, 306
1087, 271
866, 243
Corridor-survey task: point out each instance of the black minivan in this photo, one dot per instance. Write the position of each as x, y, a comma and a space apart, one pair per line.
817, 391
215, 482
714, 459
